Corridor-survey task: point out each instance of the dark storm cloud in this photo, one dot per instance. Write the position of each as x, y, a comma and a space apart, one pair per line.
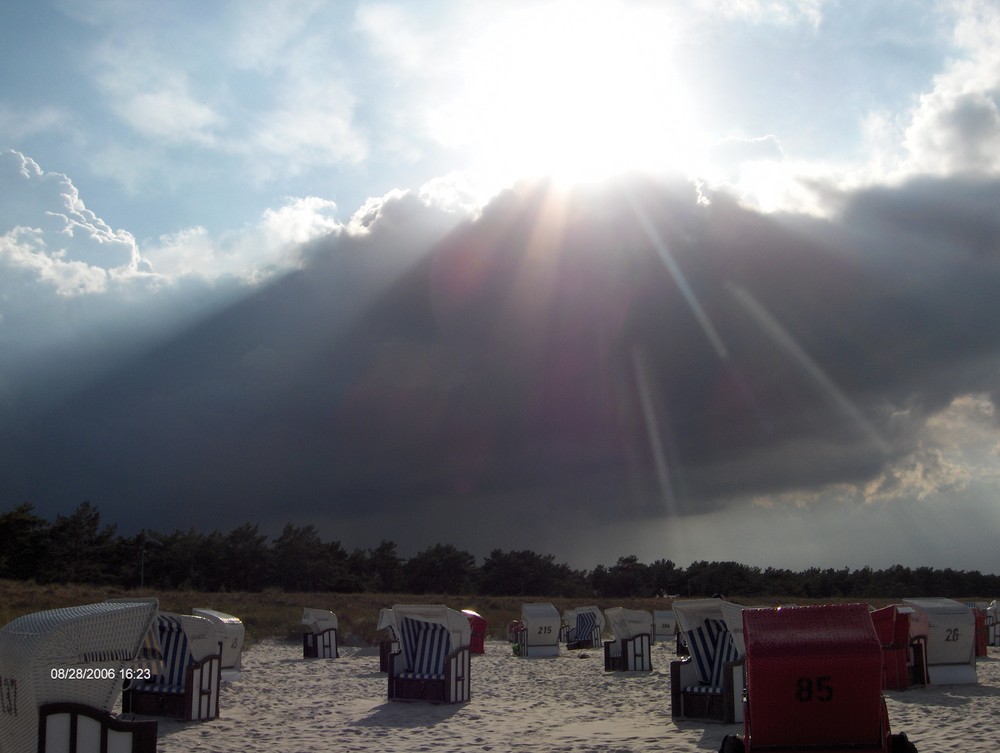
615, 352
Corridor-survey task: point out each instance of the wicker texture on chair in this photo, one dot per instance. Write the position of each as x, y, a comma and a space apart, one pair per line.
42, 654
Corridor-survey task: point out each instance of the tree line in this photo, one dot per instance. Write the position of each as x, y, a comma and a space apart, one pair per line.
78, 548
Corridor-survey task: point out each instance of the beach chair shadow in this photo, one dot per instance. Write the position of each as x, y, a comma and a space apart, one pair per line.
61, 674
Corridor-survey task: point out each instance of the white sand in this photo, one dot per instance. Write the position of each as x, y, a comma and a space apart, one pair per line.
286, 704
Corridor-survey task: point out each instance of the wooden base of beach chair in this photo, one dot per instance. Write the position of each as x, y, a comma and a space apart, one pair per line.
628, 654
453, 687
320, 645
76, 728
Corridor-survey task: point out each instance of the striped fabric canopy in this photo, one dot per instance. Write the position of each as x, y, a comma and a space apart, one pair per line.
425, 646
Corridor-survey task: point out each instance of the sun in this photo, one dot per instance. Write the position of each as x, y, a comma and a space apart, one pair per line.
573, 91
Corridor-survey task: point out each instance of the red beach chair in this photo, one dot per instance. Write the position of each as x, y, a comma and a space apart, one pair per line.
477, 643
814, 682
893, 628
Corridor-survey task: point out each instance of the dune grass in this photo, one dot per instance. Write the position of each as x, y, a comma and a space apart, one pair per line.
276, 614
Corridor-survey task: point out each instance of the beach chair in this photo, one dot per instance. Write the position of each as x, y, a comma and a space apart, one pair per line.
630, 649
586, 628
61, 674
388, 644
319, 640
814, 682
477, 623
948, 630
537, 634
892, 625
707, 685
665, 626
187, 687
229, 630
979, 614
433, 662
993, 624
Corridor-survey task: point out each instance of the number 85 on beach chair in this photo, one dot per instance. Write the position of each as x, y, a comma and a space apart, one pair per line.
814, 683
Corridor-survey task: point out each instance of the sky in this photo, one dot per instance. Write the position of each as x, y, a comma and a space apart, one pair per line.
690, 281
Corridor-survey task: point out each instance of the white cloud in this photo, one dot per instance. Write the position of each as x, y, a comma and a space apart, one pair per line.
17, 123
47, 229
955, 127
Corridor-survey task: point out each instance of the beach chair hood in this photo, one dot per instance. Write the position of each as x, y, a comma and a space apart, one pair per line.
40, 653
456, 622
628, 623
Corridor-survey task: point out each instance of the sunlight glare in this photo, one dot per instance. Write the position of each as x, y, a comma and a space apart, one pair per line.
573, 91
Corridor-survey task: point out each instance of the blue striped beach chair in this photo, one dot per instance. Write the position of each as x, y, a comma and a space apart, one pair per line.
426, 667
586, 632
703, 686
187, 683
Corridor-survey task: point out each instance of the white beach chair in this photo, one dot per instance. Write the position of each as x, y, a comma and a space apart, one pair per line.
993, 624
188, 685
665, 625
538, 632
319, 641
232, 634
630, 650
950, 632
434, 661
708, 684
61, 673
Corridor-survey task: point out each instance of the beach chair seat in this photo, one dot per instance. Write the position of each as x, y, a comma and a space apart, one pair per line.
61, 675
187, 686
630, 649
319, 640
704, 685
814, 681
426, 667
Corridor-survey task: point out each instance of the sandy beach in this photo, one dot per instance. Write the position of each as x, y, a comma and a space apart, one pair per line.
286, 704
